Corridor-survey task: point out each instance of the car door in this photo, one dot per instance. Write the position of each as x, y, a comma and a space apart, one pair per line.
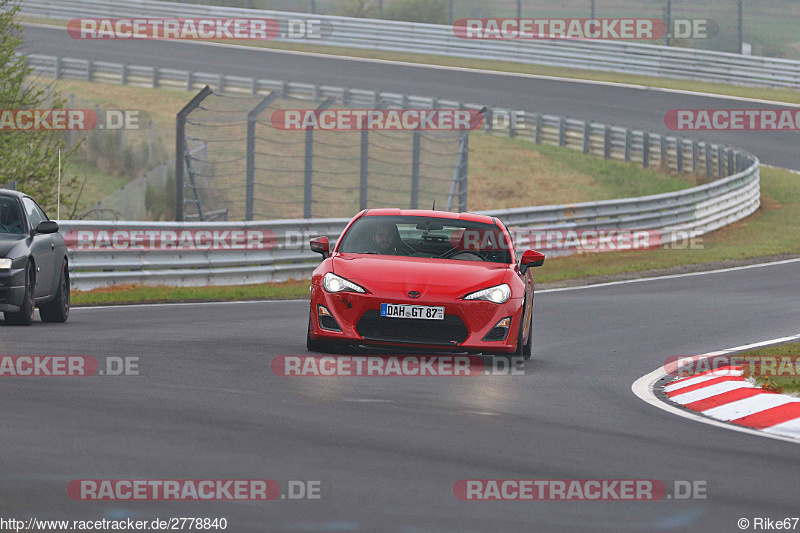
43, 250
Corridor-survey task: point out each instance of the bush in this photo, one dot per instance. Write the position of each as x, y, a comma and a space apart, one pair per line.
428, 11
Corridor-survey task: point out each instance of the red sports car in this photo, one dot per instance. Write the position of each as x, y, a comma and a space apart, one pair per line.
424, 280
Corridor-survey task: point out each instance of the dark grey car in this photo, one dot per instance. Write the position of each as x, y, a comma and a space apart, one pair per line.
33, 262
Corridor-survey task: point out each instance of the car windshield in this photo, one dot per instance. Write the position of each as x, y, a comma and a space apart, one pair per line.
416, 236
10, 216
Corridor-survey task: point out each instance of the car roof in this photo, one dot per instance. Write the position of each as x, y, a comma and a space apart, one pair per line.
9, 192
471, 217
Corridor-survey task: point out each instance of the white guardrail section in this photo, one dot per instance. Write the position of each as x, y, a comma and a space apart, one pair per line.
624, 57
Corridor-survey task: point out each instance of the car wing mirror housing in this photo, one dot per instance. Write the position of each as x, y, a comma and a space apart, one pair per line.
47, 226
530, 259
321, 246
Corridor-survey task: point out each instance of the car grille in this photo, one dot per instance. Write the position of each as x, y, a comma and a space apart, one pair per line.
449, 331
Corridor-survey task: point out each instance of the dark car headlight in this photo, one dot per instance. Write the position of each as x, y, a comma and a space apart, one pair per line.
333, 283
498, 294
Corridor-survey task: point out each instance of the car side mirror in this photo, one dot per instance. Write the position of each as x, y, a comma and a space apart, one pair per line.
321, 246
530, 259
47, 226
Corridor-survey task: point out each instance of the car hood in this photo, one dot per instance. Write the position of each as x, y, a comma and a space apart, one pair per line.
8, 241
440, 277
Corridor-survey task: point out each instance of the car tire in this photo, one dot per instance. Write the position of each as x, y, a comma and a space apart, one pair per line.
24, 316
58, 309
525, 350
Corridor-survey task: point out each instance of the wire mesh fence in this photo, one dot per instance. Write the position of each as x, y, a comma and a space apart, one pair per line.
251, 169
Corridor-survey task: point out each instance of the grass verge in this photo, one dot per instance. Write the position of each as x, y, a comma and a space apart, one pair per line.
784, 384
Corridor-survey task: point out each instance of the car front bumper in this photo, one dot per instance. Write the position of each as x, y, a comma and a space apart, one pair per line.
12, 289
466, 323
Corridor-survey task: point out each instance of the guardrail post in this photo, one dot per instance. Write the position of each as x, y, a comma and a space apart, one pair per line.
587, 130
180, 149
539, 124
627, 144
679, 154
562, 131
308, 175
645, 149
720, 162
664, 154
250, 181
221, 84
695, 156
709, 167
512, 123
189, 82
90, 70
415, 153
731, 168
57, 68
488, 117
254, 87
606, 142
123, 75
154, 82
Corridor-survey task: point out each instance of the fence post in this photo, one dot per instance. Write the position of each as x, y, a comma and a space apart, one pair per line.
489, 119
538, 132
180, 149
709, 169
587, 130
627, 144
562, 131
679, 153
664, 153
415, 153
250, 183
90, 70
731, 167
720, 162
646, 149
308, 180
606, 142
695, 156
57, 68
512, 123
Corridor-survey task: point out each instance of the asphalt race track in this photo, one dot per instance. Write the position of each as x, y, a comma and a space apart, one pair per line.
612, 105
388, 451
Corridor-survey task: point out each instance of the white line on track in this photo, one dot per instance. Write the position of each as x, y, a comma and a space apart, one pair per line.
643, 388
467, 70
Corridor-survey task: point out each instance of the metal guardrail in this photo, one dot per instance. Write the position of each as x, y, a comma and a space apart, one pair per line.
623, 57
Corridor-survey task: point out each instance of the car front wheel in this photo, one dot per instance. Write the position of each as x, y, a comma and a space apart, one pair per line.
24, 316
58, 309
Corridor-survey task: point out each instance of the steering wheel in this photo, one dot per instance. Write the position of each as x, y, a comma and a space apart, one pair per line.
454, 253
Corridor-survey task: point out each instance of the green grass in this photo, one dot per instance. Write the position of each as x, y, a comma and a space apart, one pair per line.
778, 95
141, 294
788, 384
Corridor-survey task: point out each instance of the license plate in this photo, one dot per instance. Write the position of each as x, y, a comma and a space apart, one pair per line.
412, 311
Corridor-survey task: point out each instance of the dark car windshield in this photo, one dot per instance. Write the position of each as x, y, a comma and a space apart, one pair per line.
10, 216
417, 236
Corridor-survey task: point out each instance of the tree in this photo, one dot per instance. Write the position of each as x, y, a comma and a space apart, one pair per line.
29, 158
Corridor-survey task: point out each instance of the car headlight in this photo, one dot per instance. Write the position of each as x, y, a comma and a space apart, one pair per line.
498, 294
5, 263
333, 283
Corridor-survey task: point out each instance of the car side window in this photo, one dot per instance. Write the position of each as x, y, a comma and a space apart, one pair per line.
35, 213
